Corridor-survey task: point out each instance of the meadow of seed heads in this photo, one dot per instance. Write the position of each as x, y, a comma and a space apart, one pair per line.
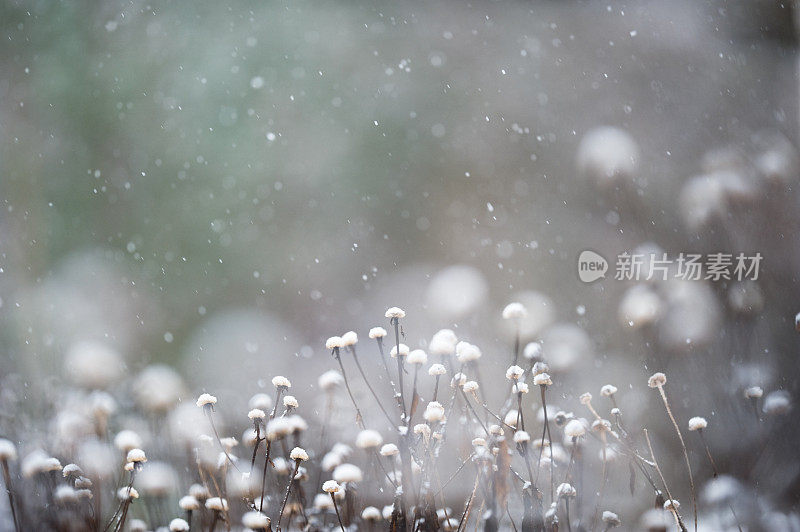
432, 443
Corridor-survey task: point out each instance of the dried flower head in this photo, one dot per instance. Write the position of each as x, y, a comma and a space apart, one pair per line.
519, 387
330, 380
418, 357
217, 504
290, 401
334, 342
136, 455
697, 423
608, 390
256, 413
540, 367
470, 386
255, 521
206, 399
459, 379
370, 513
279, 381
188, 503
514, 311
542, 379
574, 429
521, 436
514, 372
347, 473
178, 525
369, 439
8, 451
330, 486
565, 491
390, 449
611, 519
466, 352
127, 493
657, 380
434, 412
403, 351
349, 338
754, 392
298, 453
672, 505
532, 351
377, 332
436, 369
443, 343
395, 312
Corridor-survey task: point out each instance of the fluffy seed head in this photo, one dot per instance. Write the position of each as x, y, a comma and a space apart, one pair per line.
520, 387
608, 390
417, 356
178, 525
206, 399
334, 342
697, 423
256, 413
672, 505
330, 486
377, 332
565, 490
255, 521
370, 513
347, 473
126, 494
521, 436
298, 453
470, 386
188, 502
466, 352
395, 312
542, 379
279, 381
532, 351
290, 401
459, 379
514, 372
443, 343
434, 412
136, 455
514, 311
611, 519
586, 398
349, 338
657, 380
217, 504
753, 392
403, 351
436, 369
574, 429
330, 380
8, 451
390, 449
368, 439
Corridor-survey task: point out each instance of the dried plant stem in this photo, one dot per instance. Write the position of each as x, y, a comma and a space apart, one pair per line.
208, 409
468, 505
288, 491
10, 492
685, 452
264, 475
338, 516
545, 431
359, 417
661, 476
396, 323
708, 453
371, 389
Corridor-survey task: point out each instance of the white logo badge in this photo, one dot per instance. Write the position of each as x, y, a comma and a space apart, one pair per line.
591, 266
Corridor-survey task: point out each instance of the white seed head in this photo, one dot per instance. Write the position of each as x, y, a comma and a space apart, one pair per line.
514, 311
330, 486
206, 399
330, 380
369, 439
521, 436
334, 342
395, 312
466, 352
574, 429
298, 423
777, 403
542, 379
403, 351
279, 381
470, 386
330, 460
565, 490
511, 418
8, 451
298, 453
520, 387
585, 398
347, 473
656, 380
423, 429
72, 470
540, 367
459, 379
290, 401
377, 332
672, 505
514, 372
261, 401
754, 392
136, 456
255, 521
188, 502
479, 442
417, 356
349, 338
608, 390
611, 519
600, 425
126, 494
178, 525
436, 369
278, 428
256, 413
532, 351
697, 423
389, 449
217, 504
434, 412
370, 513
65, 495
443, 343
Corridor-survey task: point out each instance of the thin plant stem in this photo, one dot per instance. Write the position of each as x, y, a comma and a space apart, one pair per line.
663, 481
286, 497
371, 389
359, 417
338, 516
9, 490
396, 322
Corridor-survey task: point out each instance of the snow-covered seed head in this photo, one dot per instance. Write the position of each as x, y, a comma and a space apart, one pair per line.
256, 413
278, 428
466, 352
540, 367
389, 449
127, 494
514, 372
217, 504
330, 486
434, 412
672, 505
443, 343
754, 392
479, 442
369, 439
255, 521
290, 401
279, 381
189, 503
470, 387
777, 403
657, 380
206, 399
459, 379
334, 342
349, 338
72, 470
395, 313
519, 387
8, 451
418, 357
423, 429
611, 519
497, 430
65, 495
377, 332
298, 454
199, 492
566, 491
542, 379
697, 423
347, 473
585, 398
178, 525
599, 425
514, 311
370, 513
532, 351
403, 351
261, 401
125, 440
521, 436
608, 390
136, 456
436, 370
330, 380
574, 429
511, 418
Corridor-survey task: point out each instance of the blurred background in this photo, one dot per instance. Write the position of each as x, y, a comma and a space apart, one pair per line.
221, 186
